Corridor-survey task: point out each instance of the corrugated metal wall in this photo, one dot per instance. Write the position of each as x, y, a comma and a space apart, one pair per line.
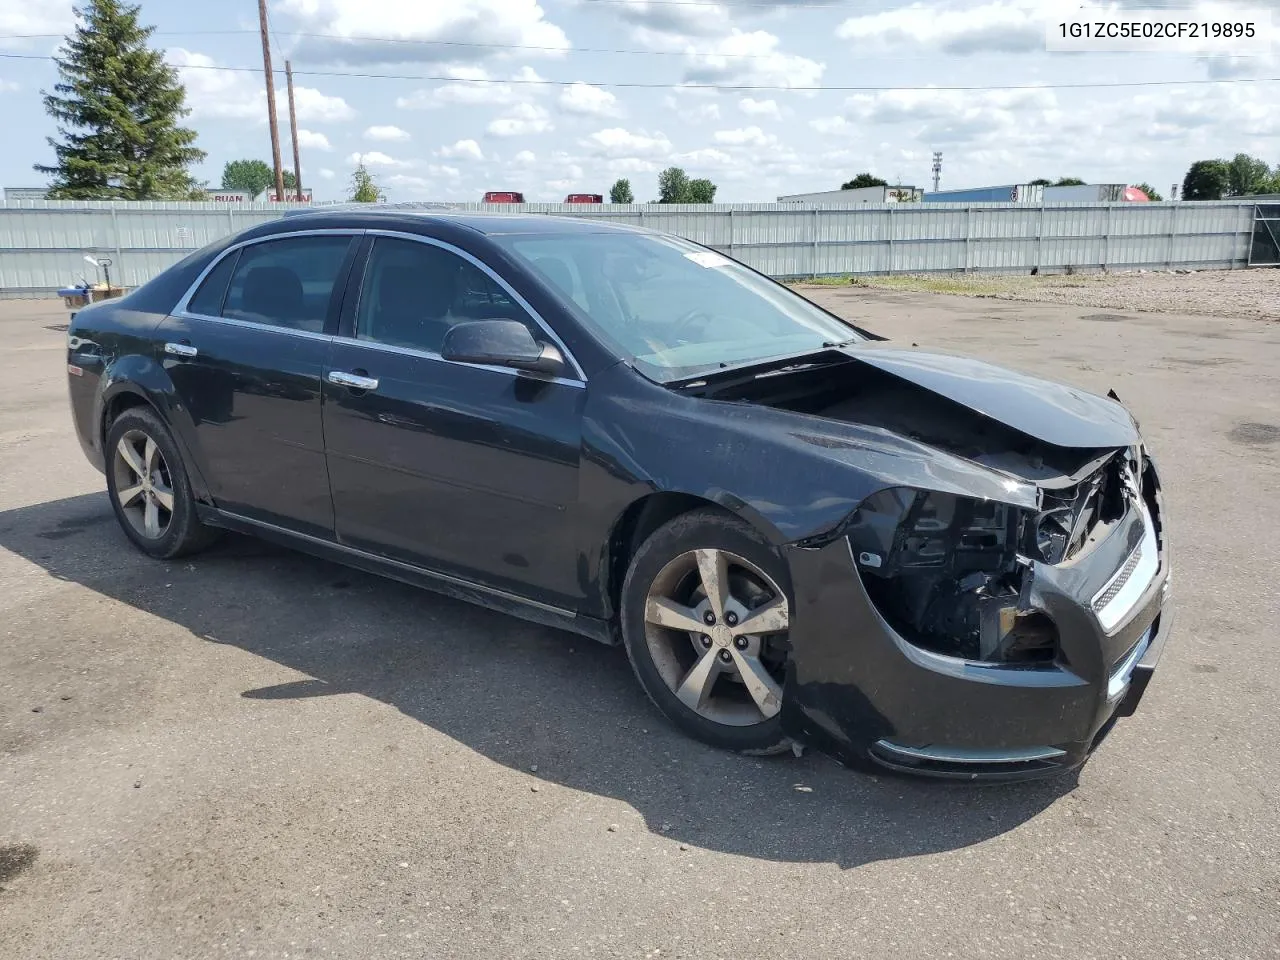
43, 243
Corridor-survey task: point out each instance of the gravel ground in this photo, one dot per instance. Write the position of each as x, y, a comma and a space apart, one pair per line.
251, 753
1252, 294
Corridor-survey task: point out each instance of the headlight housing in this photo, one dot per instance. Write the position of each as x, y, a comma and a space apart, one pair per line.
948, 573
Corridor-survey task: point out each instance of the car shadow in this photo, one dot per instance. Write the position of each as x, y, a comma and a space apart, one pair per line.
520, 694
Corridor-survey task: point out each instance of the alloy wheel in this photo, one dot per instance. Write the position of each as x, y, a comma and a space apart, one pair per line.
143, 484
716, 627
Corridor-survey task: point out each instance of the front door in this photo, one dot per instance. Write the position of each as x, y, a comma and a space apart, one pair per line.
467, 470
247, 356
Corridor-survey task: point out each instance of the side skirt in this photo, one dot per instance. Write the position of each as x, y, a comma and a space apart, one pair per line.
479, 594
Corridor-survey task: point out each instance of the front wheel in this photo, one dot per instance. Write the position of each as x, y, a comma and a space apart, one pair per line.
149, 489
705, 620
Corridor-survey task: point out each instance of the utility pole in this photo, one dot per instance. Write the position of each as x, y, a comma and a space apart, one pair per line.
271, 98
293, 130
937, 169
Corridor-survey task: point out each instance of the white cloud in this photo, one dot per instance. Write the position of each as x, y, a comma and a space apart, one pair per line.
241, 96
7, 86
33, 16
312, 105
619, 142
326, 174
375, 158
587, 100
750, 58
655, 19
1005, 26
217, 93
476, 29
386, 133
475, 86
313, 141
996, 26
462, 150
521, 120
830, 124
760, 108
692, 105
745, 136
525, 158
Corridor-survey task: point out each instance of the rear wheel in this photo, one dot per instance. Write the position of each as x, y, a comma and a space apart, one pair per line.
149, 489
705, 619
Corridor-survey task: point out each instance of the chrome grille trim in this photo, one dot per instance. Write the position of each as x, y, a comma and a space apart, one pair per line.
1121, 593
1121, 578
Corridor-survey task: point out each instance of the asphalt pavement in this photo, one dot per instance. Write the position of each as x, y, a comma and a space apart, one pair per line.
254, 753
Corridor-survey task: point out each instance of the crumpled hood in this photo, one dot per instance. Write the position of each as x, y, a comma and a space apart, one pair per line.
1051, 412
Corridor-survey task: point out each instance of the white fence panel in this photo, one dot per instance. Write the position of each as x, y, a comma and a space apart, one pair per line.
43, 243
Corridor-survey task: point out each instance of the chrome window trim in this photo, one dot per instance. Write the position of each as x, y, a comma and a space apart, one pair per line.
430, 355
180, 309
493, 275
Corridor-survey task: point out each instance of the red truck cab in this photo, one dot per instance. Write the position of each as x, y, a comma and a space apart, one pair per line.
503, 196
584, 198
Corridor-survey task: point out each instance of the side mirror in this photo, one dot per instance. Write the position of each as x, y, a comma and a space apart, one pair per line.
500, 343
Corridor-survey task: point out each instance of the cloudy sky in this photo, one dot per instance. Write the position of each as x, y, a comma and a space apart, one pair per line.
631, 93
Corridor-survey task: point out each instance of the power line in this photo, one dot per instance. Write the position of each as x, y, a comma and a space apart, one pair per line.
840, 88
480, 45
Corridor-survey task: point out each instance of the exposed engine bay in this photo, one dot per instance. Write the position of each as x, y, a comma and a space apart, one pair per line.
952, 574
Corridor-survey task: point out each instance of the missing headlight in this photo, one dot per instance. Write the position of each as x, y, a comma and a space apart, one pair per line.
944, 571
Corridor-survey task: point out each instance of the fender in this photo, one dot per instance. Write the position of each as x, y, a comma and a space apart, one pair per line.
141, 376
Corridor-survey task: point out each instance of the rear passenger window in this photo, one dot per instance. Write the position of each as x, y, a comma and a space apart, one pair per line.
286, 282
208, 299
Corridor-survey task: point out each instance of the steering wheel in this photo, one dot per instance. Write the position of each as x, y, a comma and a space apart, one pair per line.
696, 315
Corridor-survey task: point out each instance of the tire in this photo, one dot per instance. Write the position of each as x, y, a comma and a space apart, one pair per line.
669, 658
159, 516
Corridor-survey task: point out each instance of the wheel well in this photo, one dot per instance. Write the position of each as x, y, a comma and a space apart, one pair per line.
635, 525
116, 406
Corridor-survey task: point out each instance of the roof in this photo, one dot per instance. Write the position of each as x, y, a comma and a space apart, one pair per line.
489, 224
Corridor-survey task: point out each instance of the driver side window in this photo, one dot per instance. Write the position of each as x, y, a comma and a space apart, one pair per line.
414, 292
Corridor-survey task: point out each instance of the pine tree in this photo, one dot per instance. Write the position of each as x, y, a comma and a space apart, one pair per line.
118, 108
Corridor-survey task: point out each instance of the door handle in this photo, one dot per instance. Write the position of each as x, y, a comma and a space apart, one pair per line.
353, 380
180, 349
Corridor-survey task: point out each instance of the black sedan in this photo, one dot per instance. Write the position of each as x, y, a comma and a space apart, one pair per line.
800, 533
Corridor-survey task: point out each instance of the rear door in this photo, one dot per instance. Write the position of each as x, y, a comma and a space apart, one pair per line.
463, 469
246, 354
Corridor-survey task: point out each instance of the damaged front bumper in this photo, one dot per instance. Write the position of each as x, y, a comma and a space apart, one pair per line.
859, 690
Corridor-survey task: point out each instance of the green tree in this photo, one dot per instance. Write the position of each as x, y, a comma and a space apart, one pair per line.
864, 180
1248, 175
251, 176
1150, 191
364, 188
1040, 182
1068, 182
1206, 180
673, 186
254, 177
701, 190
117, 107
620, 192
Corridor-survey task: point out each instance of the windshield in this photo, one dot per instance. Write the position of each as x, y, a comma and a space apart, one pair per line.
675, 309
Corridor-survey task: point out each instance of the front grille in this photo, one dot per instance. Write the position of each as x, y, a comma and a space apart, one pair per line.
1121, 578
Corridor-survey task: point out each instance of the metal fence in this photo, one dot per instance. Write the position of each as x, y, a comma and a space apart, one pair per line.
43, 244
